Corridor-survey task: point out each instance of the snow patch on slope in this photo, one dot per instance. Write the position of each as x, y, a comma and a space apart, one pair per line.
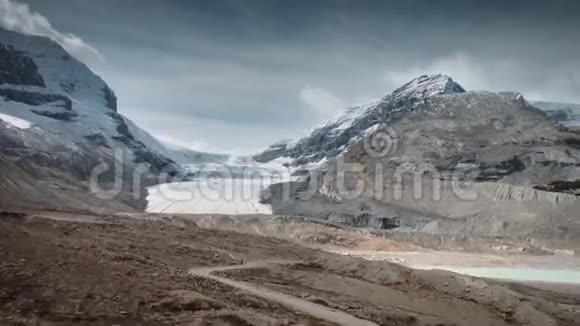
16, 122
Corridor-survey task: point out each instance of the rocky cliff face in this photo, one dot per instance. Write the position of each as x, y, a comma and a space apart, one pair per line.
58, 117
433, 157
18, 69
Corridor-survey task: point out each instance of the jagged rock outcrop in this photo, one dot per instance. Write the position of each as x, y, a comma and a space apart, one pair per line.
436, 158
18, 69
110, 98
35, 97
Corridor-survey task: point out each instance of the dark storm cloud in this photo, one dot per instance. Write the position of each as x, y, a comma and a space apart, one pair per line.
239, 74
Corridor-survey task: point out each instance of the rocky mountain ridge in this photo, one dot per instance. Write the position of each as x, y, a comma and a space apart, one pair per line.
437, 159
357, 122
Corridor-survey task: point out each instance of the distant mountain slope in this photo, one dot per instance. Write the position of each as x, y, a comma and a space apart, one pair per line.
433, 157
567, 113
26, 186
55, 113
188, 156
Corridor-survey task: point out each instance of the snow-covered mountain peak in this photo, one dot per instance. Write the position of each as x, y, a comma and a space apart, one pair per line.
61, 73
56, 114
426, 86
356, 122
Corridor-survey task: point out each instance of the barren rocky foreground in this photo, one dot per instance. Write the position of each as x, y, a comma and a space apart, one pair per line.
68, 268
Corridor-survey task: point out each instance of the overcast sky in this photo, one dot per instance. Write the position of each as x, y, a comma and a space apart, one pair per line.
237, 75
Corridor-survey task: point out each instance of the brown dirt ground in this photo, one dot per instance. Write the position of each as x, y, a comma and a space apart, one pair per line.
113, 270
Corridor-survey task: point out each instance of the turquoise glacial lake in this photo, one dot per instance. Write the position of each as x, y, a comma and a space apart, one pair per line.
521, 273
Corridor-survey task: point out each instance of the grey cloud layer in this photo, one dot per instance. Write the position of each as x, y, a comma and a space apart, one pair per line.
18, 17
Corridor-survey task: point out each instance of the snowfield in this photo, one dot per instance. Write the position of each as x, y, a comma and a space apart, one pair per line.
232, 187
16, 122
209, 196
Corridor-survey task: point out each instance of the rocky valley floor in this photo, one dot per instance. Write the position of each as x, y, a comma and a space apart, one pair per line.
63, 268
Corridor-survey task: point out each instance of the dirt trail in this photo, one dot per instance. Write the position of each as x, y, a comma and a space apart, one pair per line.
313, 309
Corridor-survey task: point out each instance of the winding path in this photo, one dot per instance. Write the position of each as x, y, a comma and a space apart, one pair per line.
307, 307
